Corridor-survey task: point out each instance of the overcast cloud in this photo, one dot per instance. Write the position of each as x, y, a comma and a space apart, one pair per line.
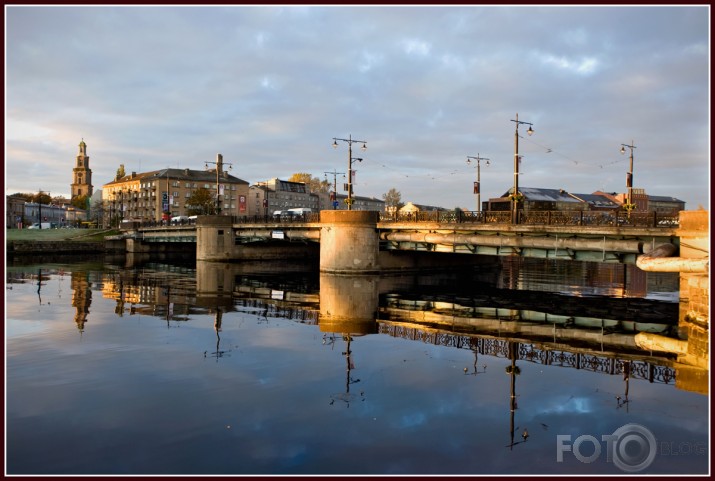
269, 88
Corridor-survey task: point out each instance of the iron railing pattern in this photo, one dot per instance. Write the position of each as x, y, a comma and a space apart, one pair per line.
557, 218
637, 369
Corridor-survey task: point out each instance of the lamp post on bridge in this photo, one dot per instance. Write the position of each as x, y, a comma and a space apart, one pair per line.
477, 186
219, 169
334, 194
515, 194
629, 179
351, 159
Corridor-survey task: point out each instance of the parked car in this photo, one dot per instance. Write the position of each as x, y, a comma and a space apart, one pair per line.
45, 225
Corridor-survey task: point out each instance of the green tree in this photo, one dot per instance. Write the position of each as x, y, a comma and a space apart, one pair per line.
393, 200
80, 201
201, 202
315, 185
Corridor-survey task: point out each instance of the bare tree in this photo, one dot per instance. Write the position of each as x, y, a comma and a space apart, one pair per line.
393, 200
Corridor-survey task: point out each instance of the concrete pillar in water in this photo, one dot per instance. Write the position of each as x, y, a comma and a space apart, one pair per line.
214, 238
349, 242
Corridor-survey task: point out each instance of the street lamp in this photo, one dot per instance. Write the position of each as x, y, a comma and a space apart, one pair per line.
334, 194
477, 189
629, 178
219, 169
350, 141
515, 194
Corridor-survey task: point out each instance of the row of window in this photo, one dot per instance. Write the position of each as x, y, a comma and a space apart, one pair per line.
188, 185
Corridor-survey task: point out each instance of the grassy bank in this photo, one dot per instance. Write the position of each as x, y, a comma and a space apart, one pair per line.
76, 235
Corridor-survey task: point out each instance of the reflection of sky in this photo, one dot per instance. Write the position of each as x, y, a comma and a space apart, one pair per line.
143, 396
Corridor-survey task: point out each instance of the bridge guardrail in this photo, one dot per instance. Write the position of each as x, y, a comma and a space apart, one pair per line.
558, 218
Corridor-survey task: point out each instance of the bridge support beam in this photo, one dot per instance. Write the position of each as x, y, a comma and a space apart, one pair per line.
349, 242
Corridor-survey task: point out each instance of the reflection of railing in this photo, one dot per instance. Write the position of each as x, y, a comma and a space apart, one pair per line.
581, 218
267, 309
529, 352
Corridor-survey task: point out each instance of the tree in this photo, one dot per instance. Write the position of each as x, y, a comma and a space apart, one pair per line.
41, 198
393, 200
201, 202
80, 201
315, 185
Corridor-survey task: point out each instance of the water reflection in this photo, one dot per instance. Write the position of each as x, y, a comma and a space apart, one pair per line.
448, 372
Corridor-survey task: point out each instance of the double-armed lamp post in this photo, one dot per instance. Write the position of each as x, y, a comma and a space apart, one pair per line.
351, 159
629, 179
515, 194
219, 169
477, 187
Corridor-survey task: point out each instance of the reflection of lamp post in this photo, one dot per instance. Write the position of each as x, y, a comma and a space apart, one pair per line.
350, 365
626, 378
219, 170
477, 187
513, 370
515, 193
629, 179
350, 141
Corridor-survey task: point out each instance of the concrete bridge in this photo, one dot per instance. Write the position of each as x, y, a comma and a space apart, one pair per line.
353, 242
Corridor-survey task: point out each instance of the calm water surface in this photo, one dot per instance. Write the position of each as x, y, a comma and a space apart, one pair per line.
147, 370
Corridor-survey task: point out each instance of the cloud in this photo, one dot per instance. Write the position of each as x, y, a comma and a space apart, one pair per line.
270, 86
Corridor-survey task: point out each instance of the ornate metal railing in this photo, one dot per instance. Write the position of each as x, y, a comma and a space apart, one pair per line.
581, 218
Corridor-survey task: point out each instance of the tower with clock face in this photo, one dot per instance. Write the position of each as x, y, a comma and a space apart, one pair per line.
82, 174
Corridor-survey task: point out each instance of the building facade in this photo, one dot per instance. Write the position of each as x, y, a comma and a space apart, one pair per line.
162, 194
265, 198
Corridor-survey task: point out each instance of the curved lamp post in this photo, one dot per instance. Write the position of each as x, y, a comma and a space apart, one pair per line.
629, 179
515, 193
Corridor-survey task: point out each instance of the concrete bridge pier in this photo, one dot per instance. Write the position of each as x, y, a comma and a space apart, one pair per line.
349, 243
214, 238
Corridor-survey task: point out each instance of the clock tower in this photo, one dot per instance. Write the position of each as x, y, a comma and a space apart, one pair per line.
82, 174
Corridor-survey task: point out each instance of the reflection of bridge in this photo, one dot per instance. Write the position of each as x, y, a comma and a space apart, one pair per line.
363, 240
656, 370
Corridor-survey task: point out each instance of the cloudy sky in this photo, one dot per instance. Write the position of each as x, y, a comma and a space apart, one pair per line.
426, 87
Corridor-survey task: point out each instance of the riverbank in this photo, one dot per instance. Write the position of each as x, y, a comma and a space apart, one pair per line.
56, 241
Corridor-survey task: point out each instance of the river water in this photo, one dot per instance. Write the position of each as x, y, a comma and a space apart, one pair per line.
117, 366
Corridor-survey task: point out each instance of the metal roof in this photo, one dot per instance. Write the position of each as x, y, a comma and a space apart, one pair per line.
535, 194
180, 174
